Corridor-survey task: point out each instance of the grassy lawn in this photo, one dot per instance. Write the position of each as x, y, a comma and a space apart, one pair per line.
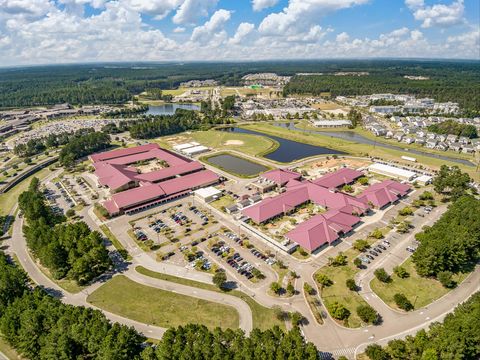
8, 200
353, 148
158, 307
8, 351
263, 317
249, 144
117, 244
419, 290
339, 292
224, 201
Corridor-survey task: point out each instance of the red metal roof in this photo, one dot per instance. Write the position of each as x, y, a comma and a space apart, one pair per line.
190, 181
137, 195
281, 176
169, 172
338, 178
322, 229
122, 152
384, 193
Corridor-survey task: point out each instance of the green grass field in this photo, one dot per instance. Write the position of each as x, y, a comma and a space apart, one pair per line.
339, 292
8, 200
222, 140
158, 307
421, 291
263, 317
224, 201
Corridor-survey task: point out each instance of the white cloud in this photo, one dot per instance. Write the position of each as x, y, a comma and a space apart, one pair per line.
212, 30
259, 5
300, 15
342, 37
26, 8
439, 15
192, 10
243, 30
179, 29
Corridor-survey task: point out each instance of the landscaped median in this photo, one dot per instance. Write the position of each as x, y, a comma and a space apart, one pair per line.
158, 307
420, 291
263, 318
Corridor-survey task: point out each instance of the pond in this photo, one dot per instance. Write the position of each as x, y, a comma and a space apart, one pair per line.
289, 150
237, 165
353, 136
169, 109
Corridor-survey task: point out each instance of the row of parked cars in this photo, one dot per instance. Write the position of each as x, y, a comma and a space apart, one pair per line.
140, 235
244, 268
65, 195
270, 261
374, 252
180, 218
199, 214
158, 226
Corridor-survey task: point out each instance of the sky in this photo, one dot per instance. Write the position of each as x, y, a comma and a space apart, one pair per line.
78, 31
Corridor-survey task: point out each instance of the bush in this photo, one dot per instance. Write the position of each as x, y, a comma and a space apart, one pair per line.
361, 245
219, 279
427, 195
347, 188
70, 213
351, 284
406, 211
357, 262
296, 318
363, 180
445, 278
309, 289
275, 287
323, 280
401, 272
402, 302
367, 314
382, 275
376, 234
290, 288
338, 260
338, 311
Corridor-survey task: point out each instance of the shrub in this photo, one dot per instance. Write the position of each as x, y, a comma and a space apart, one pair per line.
401, 272
338, 311
406, 211
347, 188
290, 288
357, 262
361, 245
338, 260
382, 275
296, 318
351, 284
427, 195
376, 234
445, 278
70, 212
363, 180
367, 314
323, 280
219, 279
275, 287
309, 289
402, 302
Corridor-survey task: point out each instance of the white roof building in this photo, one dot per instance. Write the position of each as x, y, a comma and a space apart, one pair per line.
195, 150
392, 171
208, 194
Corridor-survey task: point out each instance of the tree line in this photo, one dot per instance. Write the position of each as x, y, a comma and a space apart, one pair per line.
68, 250
82, 145
458, 337
452, 244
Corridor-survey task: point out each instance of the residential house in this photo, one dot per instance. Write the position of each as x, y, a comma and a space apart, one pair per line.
389, 134
451, 138
455, 146
398, 136
431, 143
468, 149
420, 141
463, 140
379, 130
441, 138
409, 140
442, 146
431, 136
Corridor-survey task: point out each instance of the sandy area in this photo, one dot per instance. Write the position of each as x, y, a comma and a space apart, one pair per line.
336, 112
318, 168
233, 142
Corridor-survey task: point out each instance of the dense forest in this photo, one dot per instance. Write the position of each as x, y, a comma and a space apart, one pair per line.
68, 250
152, 126
455, 128
452, 244
456, 82
458, 337
117, 83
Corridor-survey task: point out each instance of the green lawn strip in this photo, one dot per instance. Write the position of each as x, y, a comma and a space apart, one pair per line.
8, 351
8, 200
240, 175
263, 317
251, 144
353, 148
158, 307
315, 306
339, 292
421, 291
115, 242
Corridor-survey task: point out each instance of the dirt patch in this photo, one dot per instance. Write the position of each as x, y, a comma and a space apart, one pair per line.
233, 142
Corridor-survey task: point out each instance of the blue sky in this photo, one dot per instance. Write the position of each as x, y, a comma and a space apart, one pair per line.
63, 31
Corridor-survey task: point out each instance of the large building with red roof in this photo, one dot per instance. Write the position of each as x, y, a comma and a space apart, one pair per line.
133, 191
343, 209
